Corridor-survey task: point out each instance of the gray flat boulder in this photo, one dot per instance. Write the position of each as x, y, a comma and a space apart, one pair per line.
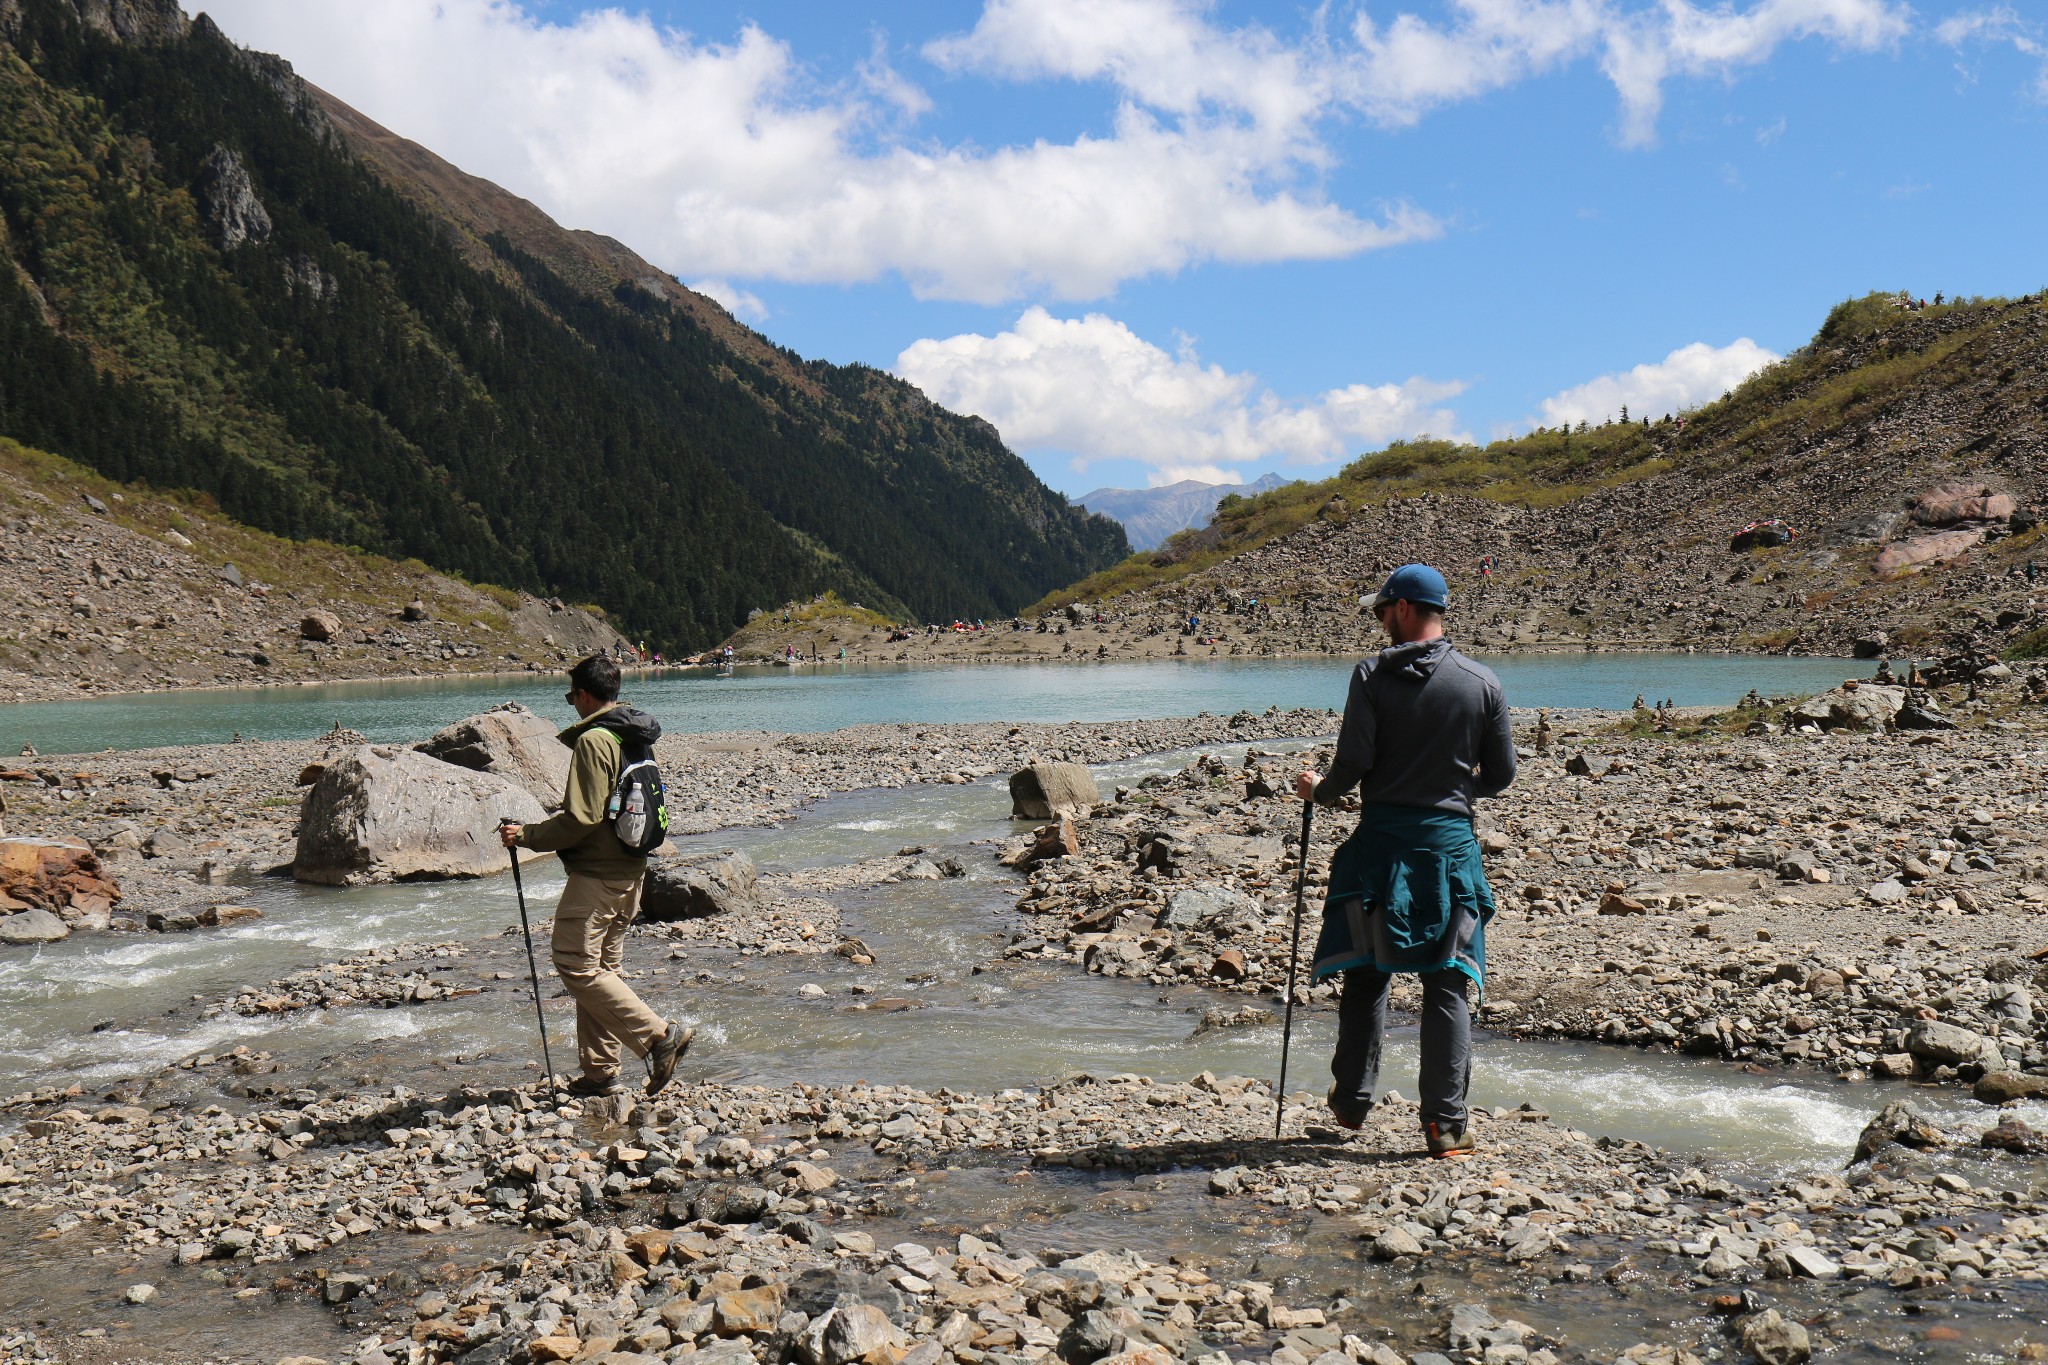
32, 926
511, 742
1050, 791
1210, 907
700, 885
382, 814
1945, 1044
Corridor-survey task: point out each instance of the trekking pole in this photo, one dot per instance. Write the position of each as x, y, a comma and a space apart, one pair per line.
1308, 815
532, 967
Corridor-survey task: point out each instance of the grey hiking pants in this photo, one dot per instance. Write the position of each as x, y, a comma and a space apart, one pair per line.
1446, 1043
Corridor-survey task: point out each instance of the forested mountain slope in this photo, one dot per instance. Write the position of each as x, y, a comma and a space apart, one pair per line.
210, 286
1906, 447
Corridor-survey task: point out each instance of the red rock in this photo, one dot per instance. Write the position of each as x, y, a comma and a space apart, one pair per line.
1229, 966
53, 874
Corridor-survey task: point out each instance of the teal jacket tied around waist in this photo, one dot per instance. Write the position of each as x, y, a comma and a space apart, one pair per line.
1407, 894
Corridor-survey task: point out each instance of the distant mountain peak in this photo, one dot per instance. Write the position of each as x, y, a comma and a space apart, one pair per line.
1150, 515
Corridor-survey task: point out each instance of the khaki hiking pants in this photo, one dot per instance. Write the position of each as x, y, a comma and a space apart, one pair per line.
590, 930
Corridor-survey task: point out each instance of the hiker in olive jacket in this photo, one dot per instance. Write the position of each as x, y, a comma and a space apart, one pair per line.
602, 897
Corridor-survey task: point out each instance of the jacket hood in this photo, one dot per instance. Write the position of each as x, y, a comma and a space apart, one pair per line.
1417, 659
630, 724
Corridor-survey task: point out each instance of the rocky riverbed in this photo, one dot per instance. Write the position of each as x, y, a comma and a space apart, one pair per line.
186, 829
1870, 903
1109, 1217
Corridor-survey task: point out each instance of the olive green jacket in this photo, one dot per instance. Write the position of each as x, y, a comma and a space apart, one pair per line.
582, 831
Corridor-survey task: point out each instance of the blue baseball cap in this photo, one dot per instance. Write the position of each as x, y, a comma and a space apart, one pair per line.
1417, 583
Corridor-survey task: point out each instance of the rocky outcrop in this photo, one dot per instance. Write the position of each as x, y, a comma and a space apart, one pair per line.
62, 877
699, 886
380, 814
511, 742
146, 23
229, 199
1052, 791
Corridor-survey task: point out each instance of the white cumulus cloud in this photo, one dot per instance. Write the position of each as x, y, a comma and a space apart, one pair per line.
741, 303
1688, 377
1092, 388
733, 160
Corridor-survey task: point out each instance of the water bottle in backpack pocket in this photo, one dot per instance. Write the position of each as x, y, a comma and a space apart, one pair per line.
639, 805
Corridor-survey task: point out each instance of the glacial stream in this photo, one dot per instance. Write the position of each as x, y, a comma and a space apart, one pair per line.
99, 1010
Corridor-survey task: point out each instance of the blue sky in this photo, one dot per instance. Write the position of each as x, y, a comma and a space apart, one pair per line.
1153, 239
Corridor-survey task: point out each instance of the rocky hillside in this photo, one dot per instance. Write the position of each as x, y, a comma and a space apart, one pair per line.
214, 278
116, 588
1907, 448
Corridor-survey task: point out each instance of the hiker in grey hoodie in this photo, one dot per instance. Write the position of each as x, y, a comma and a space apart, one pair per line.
1425, 735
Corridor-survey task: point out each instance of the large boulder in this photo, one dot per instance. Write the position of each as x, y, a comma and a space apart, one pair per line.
1052, 791
1951, 504
323, 627
700, 885
1902, 556
62, 876
512, 742
1852, 706
381, 814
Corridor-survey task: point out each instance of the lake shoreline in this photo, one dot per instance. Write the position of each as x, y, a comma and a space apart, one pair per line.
28, 690
833, 696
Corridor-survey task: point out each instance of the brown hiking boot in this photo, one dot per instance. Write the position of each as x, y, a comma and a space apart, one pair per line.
1453, 1143
595, 1087
663, 1056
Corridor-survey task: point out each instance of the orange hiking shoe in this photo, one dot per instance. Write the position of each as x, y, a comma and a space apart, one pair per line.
1454, 1144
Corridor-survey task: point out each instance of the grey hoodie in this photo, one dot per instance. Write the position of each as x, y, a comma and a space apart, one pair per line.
1423, 726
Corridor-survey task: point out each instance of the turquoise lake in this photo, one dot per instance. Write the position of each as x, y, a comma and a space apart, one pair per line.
832, 696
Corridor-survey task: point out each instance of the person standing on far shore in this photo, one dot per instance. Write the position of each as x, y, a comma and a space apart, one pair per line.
1425, 735
602, 897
